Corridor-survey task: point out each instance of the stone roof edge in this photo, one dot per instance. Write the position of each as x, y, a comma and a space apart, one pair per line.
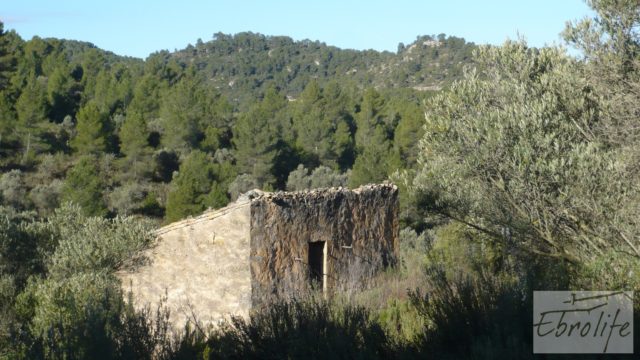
254, 195
206, 215
326, 190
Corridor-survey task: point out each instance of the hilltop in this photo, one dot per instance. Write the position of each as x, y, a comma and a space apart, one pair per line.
244, 64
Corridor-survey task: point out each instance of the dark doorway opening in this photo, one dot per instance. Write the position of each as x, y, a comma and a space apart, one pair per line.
316, 263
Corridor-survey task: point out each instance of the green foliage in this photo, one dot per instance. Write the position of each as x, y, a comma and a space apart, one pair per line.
133, 135
8, 121
241, 184
488, 318
401, 321
165, 163
373, 163
84, 316
13, 190
60, 93
7, 313
46, 197
297, 329
72, 305
147, 94
374, 160
92, 130
512, 151
94, 244
197, 187
290, 103
322, 124
460, 249
7, 60
31, 106
611, 270
135, 146
113, 88
246, 64
320, 177
84, 186
408, 132
256, 138
128, 198
69, 301
23, 246
182, 113
190, 108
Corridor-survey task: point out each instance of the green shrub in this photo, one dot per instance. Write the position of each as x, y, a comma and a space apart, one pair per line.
302, 330
13, 190
474, 318
609, 271
84, 316
321, 177
93, 244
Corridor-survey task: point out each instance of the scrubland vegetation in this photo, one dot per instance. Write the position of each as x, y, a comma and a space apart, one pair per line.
518, 170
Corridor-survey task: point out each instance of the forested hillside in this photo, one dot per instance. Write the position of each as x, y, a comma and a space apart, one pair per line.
180, 132
244, 65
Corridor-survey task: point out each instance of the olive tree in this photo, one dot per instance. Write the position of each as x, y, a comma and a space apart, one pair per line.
513, 151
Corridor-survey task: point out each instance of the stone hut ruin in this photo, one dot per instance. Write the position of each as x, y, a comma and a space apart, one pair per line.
266, 246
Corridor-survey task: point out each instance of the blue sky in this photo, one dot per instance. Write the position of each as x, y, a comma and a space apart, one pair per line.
137, 28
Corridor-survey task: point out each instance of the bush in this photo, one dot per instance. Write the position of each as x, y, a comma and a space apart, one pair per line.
460, 249
46, 197
13, 190
84, 186
84, 317
321, 177
24, 244
93, 244
482, 318
302, 330
611, 271
128, 198
241, 184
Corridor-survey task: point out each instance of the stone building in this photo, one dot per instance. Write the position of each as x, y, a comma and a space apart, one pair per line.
265, 246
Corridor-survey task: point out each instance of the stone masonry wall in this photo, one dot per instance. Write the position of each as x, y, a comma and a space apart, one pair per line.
201, 266
360, 228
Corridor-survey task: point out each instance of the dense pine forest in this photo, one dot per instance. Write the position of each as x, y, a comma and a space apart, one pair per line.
517, 168
180, 132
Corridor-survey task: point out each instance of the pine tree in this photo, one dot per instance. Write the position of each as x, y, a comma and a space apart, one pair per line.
408, 132
369, 118
256, 138
83, 186
8, 120
92, 130
322, 125
31, 108
188, 108
7, 59
373, 163
374, 160
134, 144
195, 188
60, 86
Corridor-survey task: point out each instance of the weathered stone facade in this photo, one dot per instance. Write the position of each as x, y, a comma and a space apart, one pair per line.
199, 265
359, 228
268, 245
